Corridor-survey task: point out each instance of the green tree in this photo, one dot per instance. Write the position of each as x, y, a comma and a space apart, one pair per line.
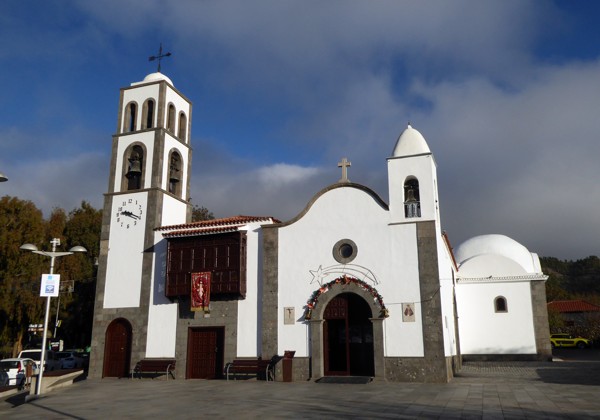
83, 228
20, 304
20, 272
201, 213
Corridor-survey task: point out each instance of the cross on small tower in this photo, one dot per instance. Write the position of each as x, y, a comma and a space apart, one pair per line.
159, 57
344, 164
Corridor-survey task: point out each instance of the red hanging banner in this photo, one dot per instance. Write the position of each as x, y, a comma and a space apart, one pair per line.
201, 291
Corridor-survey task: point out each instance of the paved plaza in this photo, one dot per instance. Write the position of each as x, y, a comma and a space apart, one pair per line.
483, 390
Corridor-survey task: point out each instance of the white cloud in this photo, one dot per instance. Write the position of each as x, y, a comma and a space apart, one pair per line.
282, 175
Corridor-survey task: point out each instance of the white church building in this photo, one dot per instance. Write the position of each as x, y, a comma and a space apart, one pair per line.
351, 286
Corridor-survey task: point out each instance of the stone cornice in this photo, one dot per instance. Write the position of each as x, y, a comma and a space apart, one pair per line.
502, 279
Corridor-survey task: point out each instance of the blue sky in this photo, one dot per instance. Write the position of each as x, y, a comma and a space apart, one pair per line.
507, 94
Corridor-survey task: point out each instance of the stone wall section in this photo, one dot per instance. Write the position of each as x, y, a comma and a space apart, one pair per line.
434, 366
270, 291
222, 314
540, 320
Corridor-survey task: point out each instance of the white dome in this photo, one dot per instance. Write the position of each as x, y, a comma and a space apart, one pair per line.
496, 255
152, 77
410, 143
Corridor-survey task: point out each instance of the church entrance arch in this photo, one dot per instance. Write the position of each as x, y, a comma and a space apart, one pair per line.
333, 333
117, 349
348, 337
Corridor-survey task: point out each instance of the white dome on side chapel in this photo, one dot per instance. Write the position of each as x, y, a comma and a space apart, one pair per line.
495, 255
410, 143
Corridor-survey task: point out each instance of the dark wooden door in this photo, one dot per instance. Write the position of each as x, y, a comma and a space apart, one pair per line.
205, 353
335, 337
348, 337
117, 349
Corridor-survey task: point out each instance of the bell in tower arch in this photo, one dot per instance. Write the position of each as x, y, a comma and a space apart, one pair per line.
410, 196
134, 172
174, 173
135, 166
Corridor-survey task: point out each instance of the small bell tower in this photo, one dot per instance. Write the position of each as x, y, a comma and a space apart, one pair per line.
412, 179
149, 186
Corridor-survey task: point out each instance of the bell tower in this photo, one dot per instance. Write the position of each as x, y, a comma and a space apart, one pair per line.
149, 186
412, 180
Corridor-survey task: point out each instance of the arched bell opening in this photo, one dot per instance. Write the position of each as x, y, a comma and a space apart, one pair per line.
133, 168
175, 173
148, 114
130, 119
412, 198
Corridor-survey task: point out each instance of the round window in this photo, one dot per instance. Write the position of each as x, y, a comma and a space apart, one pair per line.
344, 251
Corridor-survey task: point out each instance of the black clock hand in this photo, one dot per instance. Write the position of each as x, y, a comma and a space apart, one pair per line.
130, 214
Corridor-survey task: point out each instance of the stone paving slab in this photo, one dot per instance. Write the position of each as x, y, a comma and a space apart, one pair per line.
487, 390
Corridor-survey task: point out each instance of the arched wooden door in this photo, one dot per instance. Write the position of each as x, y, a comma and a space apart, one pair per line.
117, 349
348, 337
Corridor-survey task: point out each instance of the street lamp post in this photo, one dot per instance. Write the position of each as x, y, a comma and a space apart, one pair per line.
53, 254
3, 177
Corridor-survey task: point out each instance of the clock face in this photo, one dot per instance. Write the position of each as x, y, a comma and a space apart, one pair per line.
129, 213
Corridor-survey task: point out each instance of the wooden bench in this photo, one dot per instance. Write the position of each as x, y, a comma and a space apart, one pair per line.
156, 366
260, 368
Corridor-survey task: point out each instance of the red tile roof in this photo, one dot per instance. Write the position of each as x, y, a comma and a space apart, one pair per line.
573, 306
209, 227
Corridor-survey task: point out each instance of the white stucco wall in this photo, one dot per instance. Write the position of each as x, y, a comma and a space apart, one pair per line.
249, 310
141, 94
423, 169
447, 301
170, 144
162, 313
483, 331
125, 253
388, 252
147, 139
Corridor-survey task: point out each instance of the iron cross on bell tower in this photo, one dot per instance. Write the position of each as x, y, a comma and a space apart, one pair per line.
159, 57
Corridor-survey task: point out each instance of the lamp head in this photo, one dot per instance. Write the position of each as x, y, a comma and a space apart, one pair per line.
78, 248
28, 247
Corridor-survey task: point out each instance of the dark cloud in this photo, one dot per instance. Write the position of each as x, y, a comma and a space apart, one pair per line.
283, 89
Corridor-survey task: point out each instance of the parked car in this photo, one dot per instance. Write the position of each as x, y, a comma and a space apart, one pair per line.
69, 360
84, 355
568, 340
50, 362
16, 370
3, 378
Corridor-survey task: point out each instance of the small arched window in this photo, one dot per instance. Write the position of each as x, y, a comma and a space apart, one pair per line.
171, 118
500, 304
148, 114
135, 165
412, 203
175, 173
182, 126
130, 117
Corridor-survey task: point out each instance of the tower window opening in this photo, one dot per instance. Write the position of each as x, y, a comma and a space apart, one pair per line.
500, 304
148, 114
171, 118
182, 126
174, 186
130, 117
412, 203
134, 169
